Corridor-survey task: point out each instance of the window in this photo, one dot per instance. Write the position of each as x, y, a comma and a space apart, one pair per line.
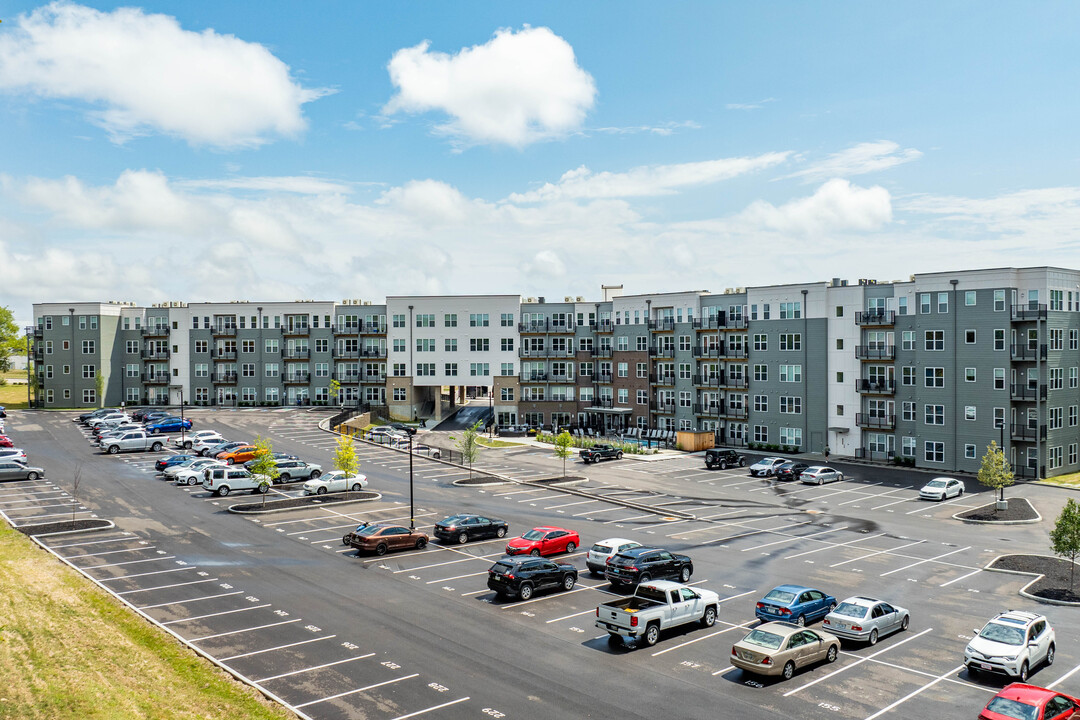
839, 311
479, 344
999, 339
907, 447
969, 374
425, 320
999, 300
935, 377
924, 303
622, 343
1057, 418
934, 340
399, 321
907, 375
506, 344
450, 369
999, 378
399, 369
425, 345
1072, 377
1057, 378
969, 337
247, 370
271, 346
934, 414
1057, 339
969, 412
943, 302
969, 450
506, 320
88, 372
1057, 298
271, 370
506, 369
399, 394
624, 396
761, 433
248, 346
88, 347
840, 410
934, 452
839, 343
399, 345
82, 322
449, 344
684, 343
89, 396
791, 373
643, 370
132, 346
478, 320
761, 373
761, 342
908, 340
765, 311
202, 346
623, 369
1054, 454
791, 341
642, 343
790, 405
761, 403
969, 298
202, 369
321, 369
425, 369
901, 306
271, 393
642, 397
450, 320
585, 369
479, 369
791, 436
1072, 415
908, 413
790, 310
839, 377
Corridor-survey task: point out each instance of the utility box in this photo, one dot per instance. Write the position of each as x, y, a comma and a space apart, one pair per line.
693, 441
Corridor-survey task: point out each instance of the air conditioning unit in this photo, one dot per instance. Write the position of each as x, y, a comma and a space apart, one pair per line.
740, 290
580, 298
568, 299
530, 300
729, 291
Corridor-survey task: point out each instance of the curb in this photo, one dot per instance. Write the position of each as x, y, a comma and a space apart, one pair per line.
1037, 577
234, 508
1037, 519
111, 526
463, 483
1055, 485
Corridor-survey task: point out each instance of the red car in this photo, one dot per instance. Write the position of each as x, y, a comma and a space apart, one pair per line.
544, 541
5, 442
1028, 702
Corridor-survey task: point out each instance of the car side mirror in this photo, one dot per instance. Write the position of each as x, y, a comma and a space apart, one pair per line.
975, 630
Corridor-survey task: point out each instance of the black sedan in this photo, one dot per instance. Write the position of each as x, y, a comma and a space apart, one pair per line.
521, 576
463, 528
790, 470
641, 564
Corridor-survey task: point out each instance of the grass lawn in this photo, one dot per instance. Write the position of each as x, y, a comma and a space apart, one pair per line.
69, 650
481, 440
13, 396
1070, 480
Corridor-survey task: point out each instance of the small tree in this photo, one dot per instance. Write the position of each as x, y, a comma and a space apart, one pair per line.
563, 442
1065, 537
76, 481
468, 446
996, 471
335, 392
345, 455
263, 465
99, 388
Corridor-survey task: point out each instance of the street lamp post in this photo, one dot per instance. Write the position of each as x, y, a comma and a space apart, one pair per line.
412, 507
183, 438
491, 420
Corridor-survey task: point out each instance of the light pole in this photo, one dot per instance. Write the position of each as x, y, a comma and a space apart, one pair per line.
412, 507
491, 405
182, 436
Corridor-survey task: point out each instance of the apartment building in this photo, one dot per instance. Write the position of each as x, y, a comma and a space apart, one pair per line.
930, 369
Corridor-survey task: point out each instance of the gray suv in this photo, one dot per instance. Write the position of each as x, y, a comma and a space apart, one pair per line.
292, 470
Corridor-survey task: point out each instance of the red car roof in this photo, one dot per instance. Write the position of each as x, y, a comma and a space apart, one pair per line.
1030, 694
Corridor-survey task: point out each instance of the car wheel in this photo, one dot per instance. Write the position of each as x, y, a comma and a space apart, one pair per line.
644, 578
191, 481
501, 532
709, 618
462, 538
873, 637
113, 449
840, 477
821, 481
357, 487
708, 466
315, 475
723, 465
614, 640
345, 538
223, 491
381, 549
525, 591
187, 445
684, 574
742, 462
801, 621
618, 455
568, 582
1050, 655
652, 635
421, 543
831, 655
156, 447
571, 547
1023, 676
832, 606
229, 461
154, 431
535, 552
322, 491
789, 670
32, 476
262, 489
904, 624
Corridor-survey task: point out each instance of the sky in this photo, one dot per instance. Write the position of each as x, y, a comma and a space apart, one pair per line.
208, 151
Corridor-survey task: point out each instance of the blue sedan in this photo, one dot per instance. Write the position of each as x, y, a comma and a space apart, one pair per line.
167, 462
169, 424
794, 603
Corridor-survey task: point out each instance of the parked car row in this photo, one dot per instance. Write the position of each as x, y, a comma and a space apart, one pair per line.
14, 465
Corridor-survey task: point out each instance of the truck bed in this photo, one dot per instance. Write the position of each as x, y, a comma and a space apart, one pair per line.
631, 604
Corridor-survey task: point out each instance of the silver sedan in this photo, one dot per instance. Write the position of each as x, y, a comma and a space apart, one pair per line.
819, 475
12, 470
865, 619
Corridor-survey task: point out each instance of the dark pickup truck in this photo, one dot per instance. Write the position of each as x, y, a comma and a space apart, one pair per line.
600, 452
723, 459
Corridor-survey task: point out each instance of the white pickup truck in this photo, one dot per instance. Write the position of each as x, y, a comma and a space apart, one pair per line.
654, 607
133, 441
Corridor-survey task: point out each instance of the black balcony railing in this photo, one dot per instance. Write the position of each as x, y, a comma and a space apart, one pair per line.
159, 354
667, 408
603, 402
1031, 311
875, 317
155, 330
663, 351
1029, 473
875, 352
1029, 353
738, 413
224, 330
602, 377
662, 378
735, 323
602, 351
561, 377
156, 377
39, 332
346, 377
1022, 432
713, 408
662, 324
874, 455
875, 421
545, 353
1027, 393
378, 352
604, 326
295, 354
224, 378
296, 330
713, 322
533, 376
223, 354
372, 377
711, 351
347, 329
709, 380
296, 378
353, 354
737, 383
879, 387
533, 326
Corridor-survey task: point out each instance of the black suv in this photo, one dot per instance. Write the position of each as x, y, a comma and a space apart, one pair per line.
723, 459
522, 575
600, 452
642, 564
463, 528
790, 470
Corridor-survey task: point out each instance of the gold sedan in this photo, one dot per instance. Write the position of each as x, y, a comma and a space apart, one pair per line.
778, 648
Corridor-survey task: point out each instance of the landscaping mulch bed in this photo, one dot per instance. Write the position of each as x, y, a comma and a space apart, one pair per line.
480, 480
64, 526
301, 502
561, 480
1054, 585
1019, 509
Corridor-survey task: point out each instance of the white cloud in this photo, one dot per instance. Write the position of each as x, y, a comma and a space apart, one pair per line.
1044, 215
518, 88
646, 180
858, 160
837, 206
548, 264
668, 128
144, 73
290, 184
750, 106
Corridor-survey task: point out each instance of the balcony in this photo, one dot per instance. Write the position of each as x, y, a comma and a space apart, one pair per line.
875, 352
373, 352
374, 328
662, 378
224, 331
346, 377
736, 413
604, 402
155, 331
297, 378
296, 330
1031, 311
602, 377
374, 377
224, 378
714, 322
1026, 353
533, 376
709, 380
542, 353
533, 326
736, 353
1021, 432
662, 325
878, 318
295, 354
736, 383
561, 377
353, 354
223, 354
156, 378
737, 323
347, 329
602, 351
662, 351
1027, 393
666, 407
604, 326
158, 354
39, 332
874, 455
876, 387
713, 408
877, 422
711, 351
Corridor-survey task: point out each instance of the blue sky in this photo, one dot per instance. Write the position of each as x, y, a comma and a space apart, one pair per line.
261, 150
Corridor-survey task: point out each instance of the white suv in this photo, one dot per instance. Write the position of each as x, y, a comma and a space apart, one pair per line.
1011, 644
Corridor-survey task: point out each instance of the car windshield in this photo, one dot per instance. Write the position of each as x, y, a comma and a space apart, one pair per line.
1003, 634
768, 640
780, 596
768, 461
1013, 709
602, 549
850, 610
936, 484
533, 535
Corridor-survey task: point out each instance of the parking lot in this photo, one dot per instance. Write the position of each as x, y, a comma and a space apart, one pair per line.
280, 601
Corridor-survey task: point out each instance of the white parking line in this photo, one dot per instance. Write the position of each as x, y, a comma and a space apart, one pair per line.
358, 690
129, 538
198, 599
913, 693
278, 647
237, 632
755, 532
577, 588
742, 626
938, 557
156, 572
871, 496
860, 661
223, 612
1063, 678
162, 587
434, 707
896, 502
957, 499
638, 517
876, 552
973, 572
451, 562
129, 562
833, 546
112, 552
597, 512
794, 538
546, 497
581, 502
315, 667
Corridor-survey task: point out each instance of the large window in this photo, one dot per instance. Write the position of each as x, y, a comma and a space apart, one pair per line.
790, 405
999, 300
791, 373
934, 452
935, 340
935, 377
791, 436
934, 414
790, 341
